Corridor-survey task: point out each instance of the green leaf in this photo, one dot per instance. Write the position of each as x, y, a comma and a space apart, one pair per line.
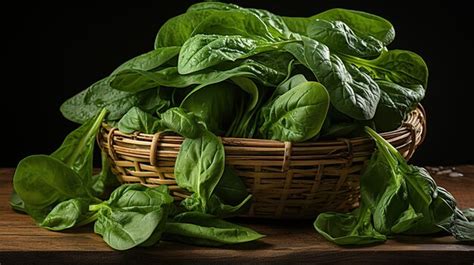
362, 23
132, 215
340, 38
214, 205
395, 104
68, 214
90, 101
203, 51
397, 66
231, 188
16, 202
352, 91
298, 114
348, 229
462, 227
138, 120
87, 103
222, 19
150, 60
235, 22
248, 22
181, 122
178, 29
268, 68
77, 148
215, 105
210, 5
230, 197
287, 85
204, 229
42, 181
200, 165
218, 207
281, 89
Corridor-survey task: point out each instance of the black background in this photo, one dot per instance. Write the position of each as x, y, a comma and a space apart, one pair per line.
54, 51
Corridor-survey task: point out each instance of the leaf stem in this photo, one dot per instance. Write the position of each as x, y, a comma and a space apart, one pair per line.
88, 220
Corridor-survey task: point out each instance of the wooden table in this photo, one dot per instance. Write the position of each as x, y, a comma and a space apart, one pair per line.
287, 242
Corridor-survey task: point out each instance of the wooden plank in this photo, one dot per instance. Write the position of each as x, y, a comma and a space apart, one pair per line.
287, 242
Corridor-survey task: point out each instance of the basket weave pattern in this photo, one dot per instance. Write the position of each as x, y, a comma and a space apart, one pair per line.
287, 180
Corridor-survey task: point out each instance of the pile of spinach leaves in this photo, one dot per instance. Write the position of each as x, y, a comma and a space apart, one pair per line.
59, 192
223, 70
396, 198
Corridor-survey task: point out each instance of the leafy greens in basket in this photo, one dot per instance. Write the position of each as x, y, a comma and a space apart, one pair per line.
223, 70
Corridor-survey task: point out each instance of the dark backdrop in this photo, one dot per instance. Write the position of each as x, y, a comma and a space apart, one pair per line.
54, 51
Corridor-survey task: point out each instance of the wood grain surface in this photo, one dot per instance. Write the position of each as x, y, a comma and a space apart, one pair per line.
287, 242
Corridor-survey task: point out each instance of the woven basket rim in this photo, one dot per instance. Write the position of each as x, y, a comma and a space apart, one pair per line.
404, 126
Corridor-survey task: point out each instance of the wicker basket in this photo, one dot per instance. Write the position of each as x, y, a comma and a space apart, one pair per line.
287, 180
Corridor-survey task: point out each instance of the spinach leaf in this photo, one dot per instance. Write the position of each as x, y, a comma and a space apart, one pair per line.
178, 29
16, 202
181, 122
90, 101
462, 226
200, 165
203, 51
246, 123
214, 205
138, 120
395, 103
364, 24
67, 214
150, 60
41, 181
230, 196
287, 85
340, 38
207, 230
86, 104
222, 19
215, 105
348, 229
352, 91
212, 6
298, 114
268, 68
281, 89
132, 215
174, 119
274, 26
234, 22
398, 66
77, 148
231, 188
